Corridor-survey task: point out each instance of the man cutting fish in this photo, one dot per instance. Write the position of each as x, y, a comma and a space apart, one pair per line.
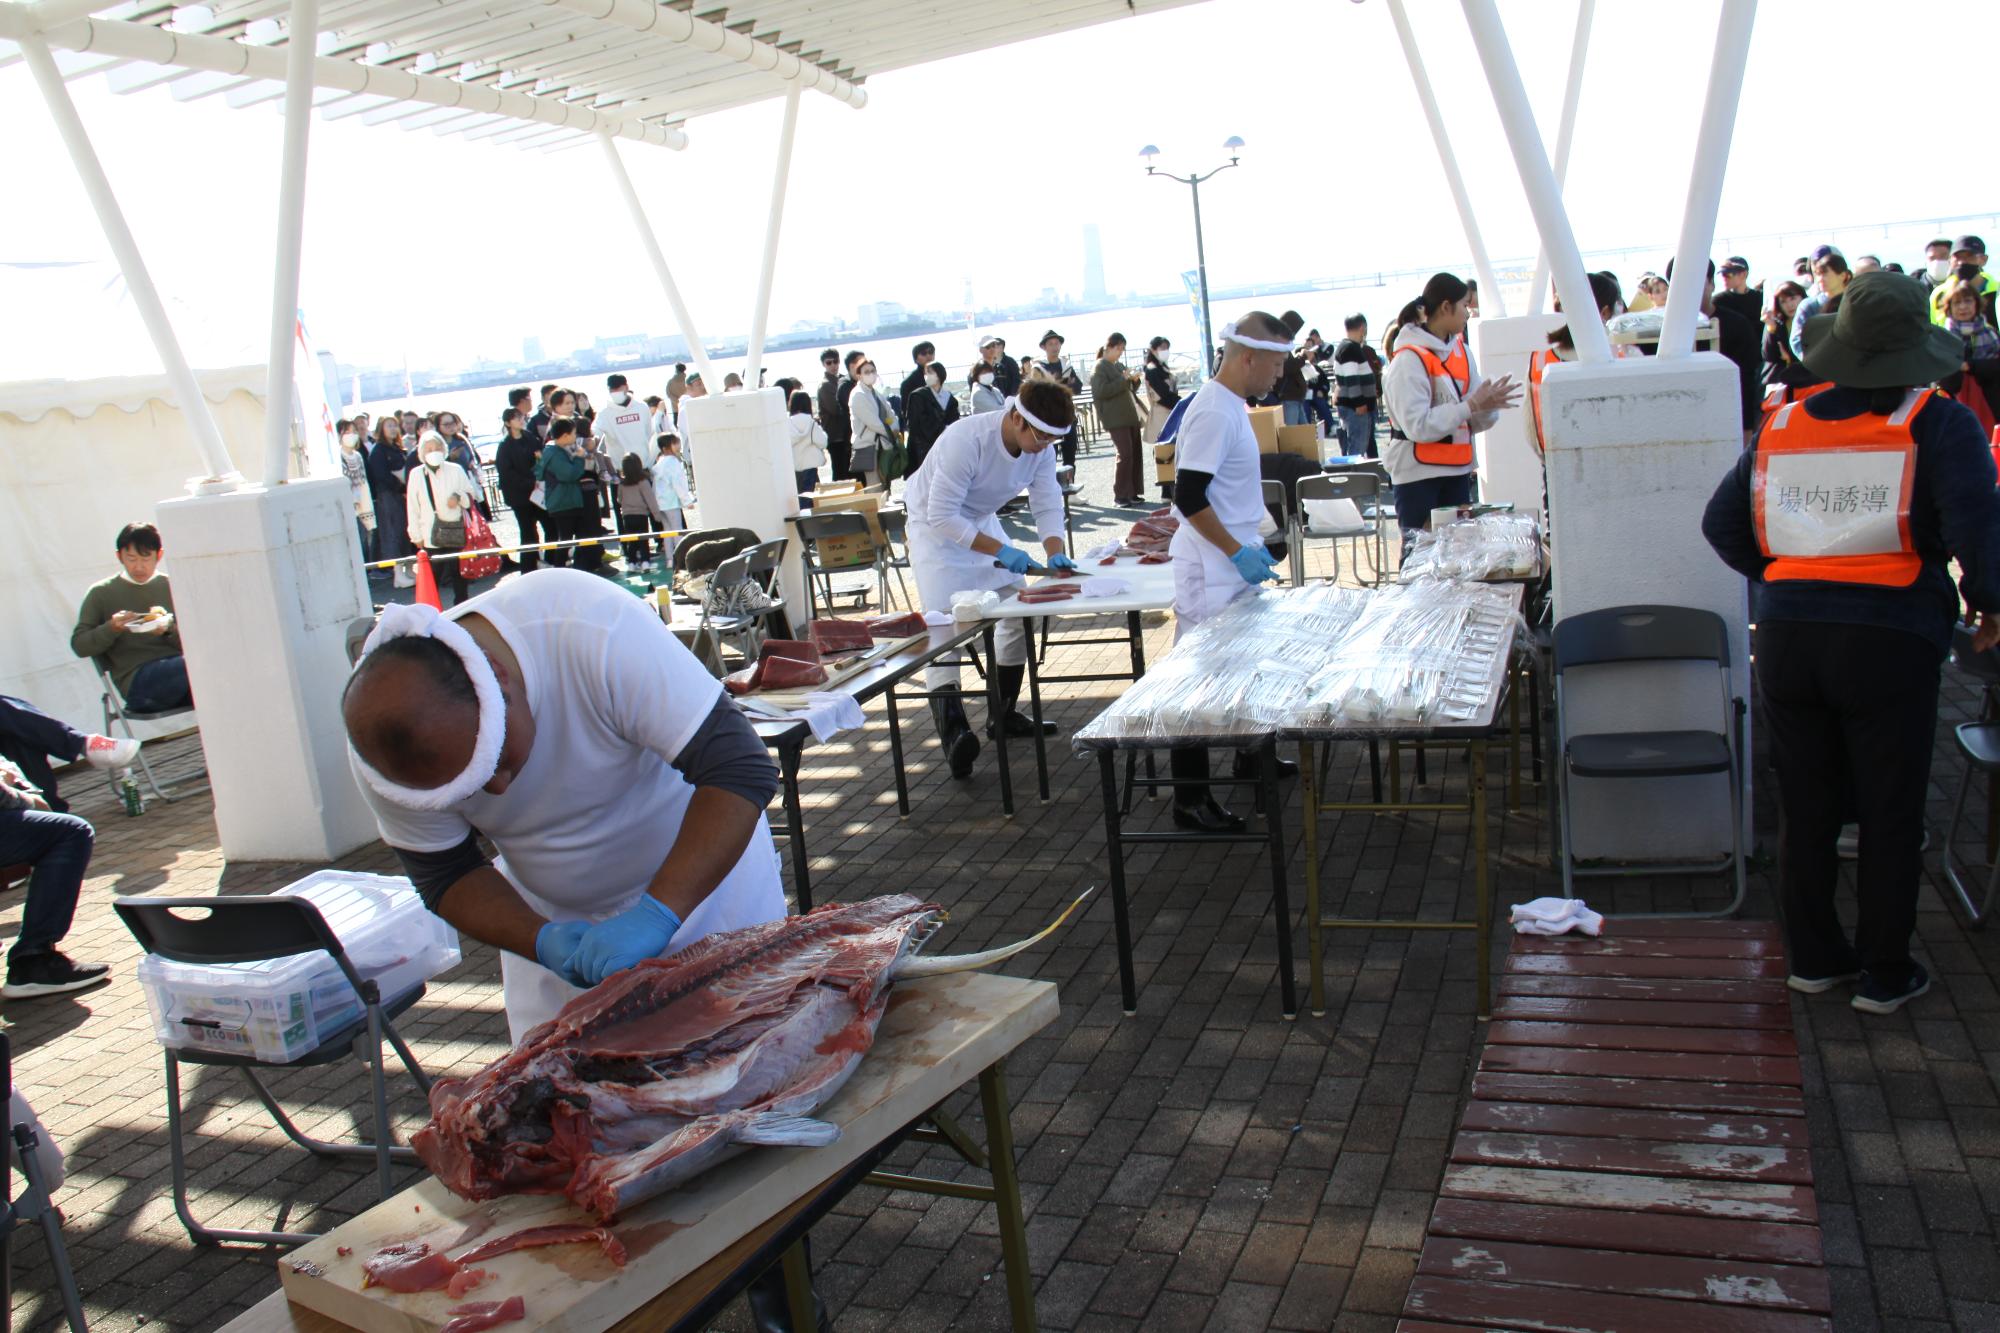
558, 717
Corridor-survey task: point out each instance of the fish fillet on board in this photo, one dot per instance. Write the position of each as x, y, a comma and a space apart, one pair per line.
667, 1068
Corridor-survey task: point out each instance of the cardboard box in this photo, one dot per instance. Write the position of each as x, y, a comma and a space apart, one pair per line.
846, 552
1163, 463
1265, 422
1300, 440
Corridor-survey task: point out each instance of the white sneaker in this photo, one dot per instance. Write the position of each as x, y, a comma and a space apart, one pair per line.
1848, 845
104, 752
404, 580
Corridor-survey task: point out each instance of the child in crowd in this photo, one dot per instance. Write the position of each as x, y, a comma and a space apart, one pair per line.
808, 445
639, 511
671, 479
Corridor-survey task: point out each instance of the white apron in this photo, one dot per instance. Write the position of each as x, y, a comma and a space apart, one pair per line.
944, 567
1205, 580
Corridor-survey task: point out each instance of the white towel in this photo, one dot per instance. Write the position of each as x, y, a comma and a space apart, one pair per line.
1555, 916
829, 714
1102, 549
938, 619
1103, 586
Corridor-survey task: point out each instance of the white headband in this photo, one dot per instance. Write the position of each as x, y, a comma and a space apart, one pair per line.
1035, 421
1230, 335
426, 622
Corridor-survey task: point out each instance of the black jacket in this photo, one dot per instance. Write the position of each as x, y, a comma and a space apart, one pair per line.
538, 426
911, 382
1291, 387
926, 420
1007, 375
1161, 381
833, 409
515, 462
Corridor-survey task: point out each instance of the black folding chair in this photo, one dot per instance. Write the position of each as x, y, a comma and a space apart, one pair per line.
1979, 745
32, 1207
210, 931
1629, 635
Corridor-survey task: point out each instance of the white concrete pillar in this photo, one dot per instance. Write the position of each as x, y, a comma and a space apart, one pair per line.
266, 582
743, 469
1635, 450
1510, 466
301, 39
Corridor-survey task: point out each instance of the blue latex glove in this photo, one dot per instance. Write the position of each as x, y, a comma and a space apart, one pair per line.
1063, 563
555, 947
1014, 560
634, 935
1254, 563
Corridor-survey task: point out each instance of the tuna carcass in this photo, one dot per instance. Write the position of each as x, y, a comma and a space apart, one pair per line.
650, 1078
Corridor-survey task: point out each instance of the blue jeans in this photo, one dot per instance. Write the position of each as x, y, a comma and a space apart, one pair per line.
807, 480
28, 737
1322, 410
58, 847
1416, 499
1296, 412
1357, 432
159, 684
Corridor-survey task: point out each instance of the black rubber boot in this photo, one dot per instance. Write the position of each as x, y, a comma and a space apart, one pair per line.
1007, 682
770, 1312
1194, 808
1245, 766
961, 747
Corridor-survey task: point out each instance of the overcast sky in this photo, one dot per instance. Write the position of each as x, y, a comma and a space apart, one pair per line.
986, 167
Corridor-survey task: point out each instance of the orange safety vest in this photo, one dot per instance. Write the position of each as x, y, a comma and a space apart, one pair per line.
1996, 446
1831, 499
1537, 363
1777, 395
1457, 367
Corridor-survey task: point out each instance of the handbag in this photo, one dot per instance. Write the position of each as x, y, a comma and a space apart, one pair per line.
479, 537
445, 535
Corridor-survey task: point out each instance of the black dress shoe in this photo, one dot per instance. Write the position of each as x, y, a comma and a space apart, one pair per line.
1019, 724
1208, 817
1245, 767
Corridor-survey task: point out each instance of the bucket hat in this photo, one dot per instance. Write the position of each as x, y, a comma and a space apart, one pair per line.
1881, 337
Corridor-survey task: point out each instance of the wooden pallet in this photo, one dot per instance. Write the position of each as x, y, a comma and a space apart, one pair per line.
1635, 1154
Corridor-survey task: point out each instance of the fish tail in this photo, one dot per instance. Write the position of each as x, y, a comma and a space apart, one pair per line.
772, 1129
915, 966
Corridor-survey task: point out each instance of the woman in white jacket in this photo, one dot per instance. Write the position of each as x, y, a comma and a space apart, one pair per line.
439, 493
808, 442
670, 481
874, 423
1437, 402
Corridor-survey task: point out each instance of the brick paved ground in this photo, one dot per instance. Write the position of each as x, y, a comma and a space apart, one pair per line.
1204, 1164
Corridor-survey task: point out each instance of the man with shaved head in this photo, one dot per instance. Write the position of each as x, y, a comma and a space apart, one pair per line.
557, 717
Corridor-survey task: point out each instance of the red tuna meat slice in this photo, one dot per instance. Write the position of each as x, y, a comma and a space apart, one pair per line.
407, 1266
485, 1314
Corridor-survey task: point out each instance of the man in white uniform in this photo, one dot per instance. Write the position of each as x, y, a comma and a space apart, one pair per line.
1219, 499
558, 717
626, 424
957, 545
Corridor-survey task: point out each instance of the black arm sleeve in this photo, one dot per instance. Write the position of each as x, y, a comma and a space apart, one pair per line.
435, 872
725, 752
1191, 491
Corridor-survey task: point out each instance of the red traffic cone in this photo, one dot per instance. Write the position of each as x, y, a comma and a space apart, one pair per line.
427, 584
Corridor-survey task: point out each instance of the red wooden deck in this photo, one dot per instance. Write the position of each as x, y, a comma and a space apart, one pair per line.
1635, 1154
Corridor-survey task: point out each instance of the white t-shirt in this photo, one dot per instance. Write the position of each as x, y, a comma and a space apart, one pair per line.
627, 429
586, 824
1215, 437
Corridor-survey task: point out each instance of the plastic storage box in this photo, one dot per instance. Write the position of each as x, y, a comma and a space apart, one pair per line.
278, 1010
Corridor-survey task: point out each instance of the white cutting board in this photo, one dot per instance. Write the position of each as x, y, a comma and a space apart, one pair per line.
835, 675
938, 1034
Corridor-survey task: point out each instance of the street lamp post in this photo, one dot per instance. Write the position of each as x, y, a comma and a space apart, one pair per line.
1234, 147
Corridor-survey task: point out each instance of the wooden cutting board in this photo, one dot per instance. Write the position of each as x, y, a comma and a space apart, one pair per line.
938, 1034
836, 674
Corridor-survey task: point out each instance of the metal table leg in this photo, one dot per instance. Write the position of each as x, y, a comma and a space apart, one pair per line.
1135, 631
1482, 933
1513, 745
795, 824
1007, 1201
1309, 830
1035, 711
999, 731
798, 1285
896, 753
1107, 769
1267, 785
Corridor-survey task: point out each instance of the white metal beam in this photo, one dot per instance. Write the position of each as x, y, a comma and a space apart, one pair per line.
676, 25
1489, 290
301, 42
1711, 159
1517, 118
761, 315
1579, 52
125, 249
651, 242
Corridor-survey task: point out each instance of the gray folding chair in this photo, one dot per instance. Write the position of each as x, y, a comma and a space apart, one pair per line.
1979, 745
1364, 489
730, 581
210, 931
1629, 635
1275, 499
1066, 479
895, 531
767, 560
32, 1208
816, 528
116, 713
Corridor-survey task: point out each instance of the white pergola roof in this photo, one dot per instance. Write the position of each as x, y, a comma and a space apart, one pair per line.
540, 72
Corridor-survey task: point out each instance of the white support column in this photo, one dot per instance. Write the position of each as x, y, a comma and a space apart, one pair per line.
1711, 160
696, 351
1579, 51
301, 42
761, 316
1510, 99
207, 436
1490, 298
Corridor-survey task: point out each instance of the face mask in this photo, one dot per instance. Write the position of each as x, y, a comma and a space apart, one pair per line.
868, 378
621, 398
1940, 269
349, 440
433, 458
986, 377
